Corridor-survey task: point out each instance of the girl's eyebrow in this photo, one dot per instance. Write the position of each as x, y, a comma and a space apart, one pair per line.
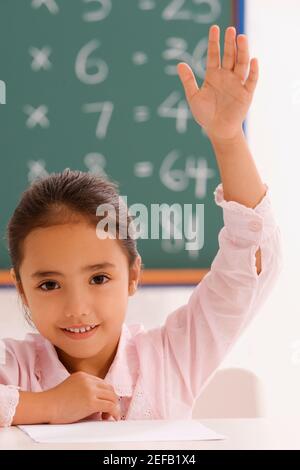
92, 267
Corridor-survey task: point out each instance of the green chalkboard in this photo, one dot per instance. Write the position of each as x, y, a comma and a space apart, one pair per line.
92, 85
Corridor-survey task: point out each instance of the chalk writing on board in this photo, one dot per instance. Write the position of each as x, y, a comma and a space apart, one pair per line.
50, 4
139, 58
143, 169
177, 179
105, 110
40, 58
141, 113
177, 10
147, 5
177, 49
180, 113
100, 14
37, 170
95, 162
2, 92
86, 61
37, 116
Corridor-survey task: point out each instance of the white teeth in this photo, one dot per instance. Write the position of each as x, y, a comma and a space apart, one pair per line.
81, 330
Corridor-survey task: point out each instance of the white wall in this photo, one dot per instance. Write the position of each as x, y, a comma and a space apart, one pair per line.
271, 345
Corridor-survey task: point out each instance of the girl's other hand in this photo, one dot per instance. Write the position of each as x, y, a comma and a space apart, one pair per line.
80, 396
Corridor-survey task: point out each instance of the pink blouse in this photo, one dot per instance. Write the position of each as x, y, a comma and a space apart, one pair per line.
159, 373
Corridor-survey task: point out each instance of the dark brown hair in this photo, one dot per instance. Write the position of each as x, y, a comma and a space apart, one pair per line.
60, 198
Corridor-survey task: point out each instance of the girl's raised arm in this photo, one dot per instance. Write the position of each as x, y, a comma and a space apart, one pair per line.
195, 338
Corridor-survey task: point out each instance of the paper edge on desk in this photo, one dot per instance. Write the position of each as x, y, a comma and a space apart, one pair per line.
213, 435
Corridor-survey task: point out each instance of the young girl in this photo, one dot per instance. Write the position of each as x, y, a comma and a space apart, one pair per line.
85, 363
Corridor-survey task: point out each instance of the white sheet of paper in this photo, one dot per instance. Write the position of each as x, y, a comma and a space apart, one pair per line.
122, 431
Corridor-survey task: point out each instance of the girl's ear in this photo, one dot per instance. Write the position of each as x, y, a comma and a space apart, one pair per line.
13, 275
134, 275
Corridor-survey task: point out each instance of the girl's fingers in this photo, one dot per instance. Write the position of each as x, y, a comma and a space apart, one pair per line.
213, 50
108, 394
188, 79
106, 417
252, 79
235, 58
229, 55
242, 62
109, 408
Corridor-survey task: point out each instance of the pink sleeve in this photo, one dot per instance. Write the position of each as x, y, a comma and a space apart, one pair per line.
9, 389
196, 337
9, 399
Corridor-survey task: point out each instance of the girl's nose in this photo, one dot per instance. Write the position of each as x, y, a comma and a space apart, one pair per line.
77, 306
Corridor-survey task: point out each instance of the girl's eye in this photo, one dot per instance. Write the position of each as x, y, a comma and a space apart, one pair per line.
47, 283
100, 278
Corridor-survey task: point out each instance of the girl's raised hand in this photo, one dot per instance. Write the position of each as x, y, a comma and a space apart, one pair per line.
221, 104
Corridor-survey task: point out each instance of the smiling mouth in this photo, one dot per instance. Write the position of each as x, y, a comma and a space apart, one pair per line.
77, 334
80, 328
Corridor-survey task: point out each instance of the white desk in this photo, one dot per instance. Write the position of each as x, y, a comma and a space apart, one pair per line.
257, 433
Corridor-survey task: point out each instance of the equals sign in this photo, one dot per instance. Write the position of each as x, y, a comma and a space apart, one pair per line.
143, 169
141, 113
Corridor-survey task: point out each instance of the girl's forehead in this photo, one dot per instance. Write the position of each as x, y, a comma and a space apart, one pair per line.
70, 243
79, 229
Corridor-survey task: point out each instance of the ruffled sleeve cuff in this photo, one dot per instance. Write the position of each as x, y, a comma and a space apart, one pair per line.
9, 399
253, 224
